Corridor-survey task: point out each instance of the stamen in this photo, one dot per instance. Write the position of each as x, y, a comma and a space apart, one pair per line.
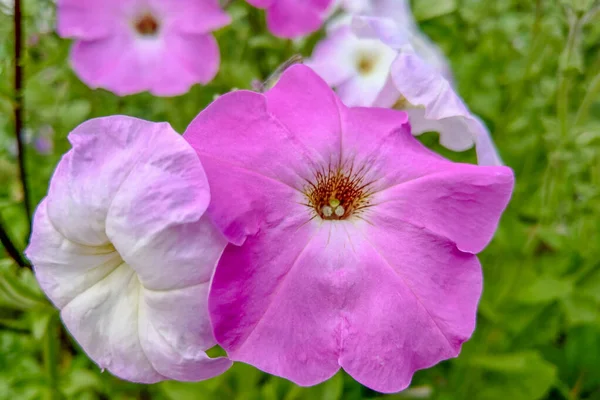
147, 25
365, 65
338, 193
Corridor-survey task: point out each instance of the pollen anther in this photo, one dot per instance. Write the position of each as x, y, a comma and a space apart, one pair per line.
338, 193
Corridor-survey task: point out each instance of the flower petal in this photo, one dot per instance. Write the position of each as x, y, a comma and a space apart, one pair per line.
462, 203
308, 108
85, 19
416, 303
192, 16
122, 245
163, 66
238, 130
381, 28
111, 63
291, 18
444, 111
275, 309
156, 220
174, 341
104, 321
65, 269
332, 57
379, 143
184, 60
104, 152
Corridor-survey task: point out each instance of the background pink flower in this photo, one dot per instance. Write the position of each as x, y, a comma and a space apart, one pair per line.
130, 46
353, 245
122, 247
293, 18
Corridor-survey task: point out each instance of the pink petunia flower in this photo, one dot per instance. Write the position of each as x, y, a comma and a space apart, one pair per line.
353, 245
131, 46
122, 247
293, 18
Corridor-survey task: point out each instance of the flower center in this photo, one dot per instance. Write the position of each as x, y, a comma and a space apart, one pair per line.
366, 64
336, 194
147, 25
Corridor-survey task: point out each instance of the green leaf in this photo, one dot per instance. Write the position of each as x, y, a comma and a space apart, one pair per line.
16, 295
428, 9
516, 376
545, 290
581, 309
40, 324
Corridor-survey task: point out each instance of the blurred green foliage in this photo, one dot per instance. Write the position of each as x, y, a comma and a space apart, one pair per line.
530, 69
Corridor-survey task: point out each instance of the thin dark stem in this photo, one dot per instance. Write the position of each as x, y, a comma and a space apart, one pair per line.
11, 249
18, 106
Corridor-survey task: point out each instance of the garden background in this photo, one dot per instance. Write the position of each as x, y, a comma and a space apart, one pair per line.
529, 68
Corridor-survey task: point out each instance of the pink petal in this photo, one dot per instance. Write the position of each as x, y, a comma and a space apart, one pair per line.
275, 309
291, 18
416, 303
111, 63
156, 219
445, 202
88, 19
183, 66
333, 298
235, 121
192, 16
308, 108
241, 120
89, 176
164, 66
380, 139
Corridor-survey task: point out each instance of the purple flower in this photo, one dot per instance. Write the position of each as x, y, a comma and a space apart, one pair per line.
293, 18
122, 247
131, 46
353, 245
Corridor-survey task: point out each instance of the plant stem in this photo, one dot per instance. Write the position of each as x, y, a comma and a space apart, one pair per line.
11, 249
51, 350
18, 106
590, 97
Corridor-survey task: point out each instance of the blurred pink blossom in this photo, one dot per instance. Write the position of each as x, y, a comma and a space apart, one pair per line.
293, 18
131, 46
